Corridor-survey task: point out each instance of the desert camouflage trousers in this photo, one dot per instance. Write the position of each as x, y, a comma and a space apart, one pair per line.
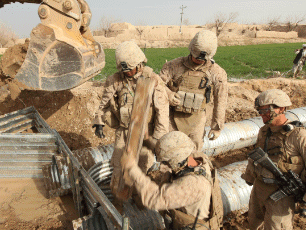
266, 214
180, 121
146, 159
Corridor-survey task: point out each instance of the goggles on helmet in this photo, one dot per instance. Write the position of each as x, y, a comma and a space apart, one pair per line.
124, 67
202, 56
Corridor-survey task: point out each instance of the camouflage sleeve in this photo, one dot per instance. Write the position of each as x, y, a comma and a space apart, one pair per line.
296, 144
110, 88
161, 106
166, 72
219, 78
180, 193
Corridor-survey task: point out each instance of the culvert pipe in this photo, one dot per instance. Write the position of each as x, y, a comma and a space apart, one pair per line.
235, 192
237, 135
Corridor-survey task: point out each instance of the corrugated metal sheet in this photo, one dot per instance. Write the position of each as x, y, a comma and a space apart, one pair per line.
26, 144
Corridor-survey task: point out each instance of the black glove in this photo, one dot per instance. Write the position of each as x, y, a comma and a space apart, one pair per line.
99, 131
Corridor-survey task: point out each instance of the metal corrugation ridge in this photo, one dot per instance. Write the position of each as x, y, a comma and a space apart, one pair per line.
22, 152
235, 192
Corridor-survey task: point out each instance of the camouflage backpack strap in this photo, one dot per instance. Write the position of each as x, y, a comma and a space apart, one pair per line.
216, 208
289, 161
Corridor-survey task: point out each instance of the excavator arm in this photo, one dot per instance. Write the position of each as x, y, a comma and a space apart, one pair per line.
62, 53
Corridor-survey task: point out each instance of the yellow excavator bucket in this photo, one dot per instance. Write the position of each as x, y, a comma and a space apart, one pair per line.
62, 53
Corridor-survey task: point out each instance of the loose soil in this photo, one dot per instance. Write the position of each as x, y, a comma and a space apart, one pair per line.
23, 204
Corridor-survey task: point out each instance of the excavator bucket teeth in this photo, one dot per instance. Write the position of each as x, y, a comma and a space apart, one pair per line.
54, 64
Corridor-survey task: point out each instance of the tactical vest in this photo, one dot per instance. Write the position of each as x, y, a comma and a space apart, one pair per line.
126, 99
182, 220
194, 88
275, 145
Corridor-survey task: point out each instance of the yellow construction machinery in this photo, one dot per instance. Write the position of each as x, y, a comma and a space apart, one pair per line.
62, 53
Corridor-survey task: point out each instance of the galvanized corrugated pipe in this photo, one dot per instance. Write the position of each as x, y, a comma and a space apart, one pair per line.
236, 135
235, 192
96, 161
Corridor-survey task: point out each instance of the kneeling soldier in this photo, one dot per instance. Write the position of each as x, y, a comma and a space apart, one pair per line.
191, 191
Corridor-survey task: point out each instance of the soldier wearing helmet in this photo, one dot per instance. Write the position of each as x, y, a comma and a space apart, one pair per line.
192, 82
285, 143
116, 106
188, 185
299, 60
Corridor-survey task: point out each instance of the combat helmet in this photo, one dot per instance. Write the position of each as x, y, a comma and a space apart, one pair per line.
174, 148
273, 97
204, 45
128, 56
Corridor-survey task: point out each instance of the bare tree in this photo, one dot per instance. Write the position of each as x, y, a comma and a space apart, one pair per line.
105, 24
271, 22
186, 22
222, 19
6, 34
293, 22
140, 28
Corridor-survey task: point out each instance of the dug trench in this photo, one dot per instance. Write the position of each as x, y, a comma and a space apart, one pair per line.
23, 202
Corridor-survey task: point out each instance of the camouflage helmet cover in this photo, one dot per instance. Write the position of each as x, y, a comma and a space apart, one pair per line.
128, 56
174, 148
204, 41
273, 97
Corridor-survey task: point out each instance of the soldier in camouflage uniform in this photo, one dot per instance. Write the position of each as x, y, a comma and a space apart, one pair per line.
285, 143
118, 95
191, 81
188, 184
299, 60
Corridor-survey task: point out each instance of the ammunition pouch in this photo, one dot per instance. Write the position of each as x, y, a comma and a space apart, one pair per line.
111, 114
125, 101
191, 102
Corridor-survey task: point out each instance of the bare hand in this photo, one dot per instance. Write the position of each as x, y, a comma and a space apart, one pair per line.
213, 134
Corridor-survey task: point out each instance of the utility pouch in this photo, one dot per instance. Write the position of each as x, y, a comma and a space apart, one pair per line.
190, 102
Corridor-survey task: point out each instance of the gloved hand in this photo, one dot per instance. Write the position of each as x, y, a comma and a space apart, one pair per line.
127, 162
174, 99
213, 134
99, 131
151, 143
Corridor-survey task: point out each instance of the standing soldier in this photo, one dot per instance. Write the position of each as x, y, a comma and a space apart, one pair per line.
299, 60
191, 81
285, 143
190, 189
120, 88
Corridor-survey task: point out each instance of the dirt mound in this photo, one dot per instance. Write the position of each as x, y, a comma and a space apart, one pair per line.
12, 59
71, 112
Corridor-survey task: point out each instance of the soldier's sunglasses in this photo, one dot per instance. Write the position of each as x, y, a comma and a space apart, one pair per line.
263, 111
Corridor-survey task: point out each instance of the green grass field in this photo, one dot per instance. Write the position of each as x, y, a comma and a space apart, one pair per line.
252, 61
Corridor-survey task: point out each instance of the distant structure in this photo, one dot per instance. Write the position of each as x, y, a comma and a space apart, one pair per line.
182, 7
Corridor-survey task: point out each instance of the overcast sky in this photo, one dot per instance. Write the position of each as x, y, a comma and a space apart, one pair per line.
23, 17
